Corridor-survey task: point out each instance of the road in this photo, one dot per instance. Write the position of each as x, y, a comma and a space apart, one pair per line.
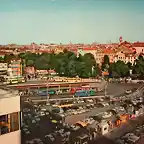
118, 88
112, 89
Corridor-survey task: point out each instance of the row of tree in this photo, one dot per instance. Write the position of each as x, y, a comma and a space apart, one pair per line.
65, 63
68, 64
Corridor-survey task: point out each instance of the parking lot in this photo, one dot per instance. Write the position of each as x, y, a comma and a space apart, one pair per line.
51, 124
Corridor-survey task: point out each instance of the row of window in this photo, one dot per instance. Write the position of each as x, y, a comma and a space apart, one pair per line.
9, 123
126, 58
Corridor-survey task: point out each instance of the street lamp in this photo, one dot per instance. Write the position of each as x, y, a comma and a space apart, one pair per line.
47, 92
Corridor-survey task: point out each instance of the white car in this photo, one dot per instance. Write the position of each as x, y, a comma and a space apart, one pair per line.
89, 120
106, 114
38, 141
26, 131
33, 121
131, 138
90, 100
75, 127
51, 137
128, 91
105, 104
75, 112
42, 113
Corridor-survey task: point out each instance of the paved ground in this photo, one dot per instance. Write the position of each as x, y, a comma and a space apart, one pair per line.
112, 89
118, 88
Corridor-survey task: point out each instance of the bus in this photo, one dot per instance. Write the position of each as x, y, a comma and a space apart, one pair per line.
13, 80
21, 79
10, 80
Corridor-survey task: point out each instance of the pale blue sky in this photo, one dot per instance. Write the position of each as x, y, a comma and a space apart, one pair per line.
78, 21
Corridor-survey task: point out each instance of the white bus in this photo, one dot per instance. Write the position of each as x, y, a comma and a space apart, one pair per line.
13, 80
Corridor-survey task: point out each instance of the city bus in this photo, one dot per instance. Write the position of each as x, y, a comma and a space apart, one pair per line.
13, 80
10, 80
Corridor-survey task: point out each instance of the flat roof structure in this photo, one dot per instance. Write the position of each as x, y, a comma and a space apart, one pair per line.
10, 108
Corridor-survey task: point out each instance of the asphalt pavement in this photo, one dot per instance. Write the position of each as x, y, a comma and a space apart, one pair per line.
111, 89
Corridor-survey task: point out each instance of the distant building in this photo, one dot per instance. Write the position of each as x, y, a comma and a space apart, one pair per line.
125, 57
139, 47
29, 70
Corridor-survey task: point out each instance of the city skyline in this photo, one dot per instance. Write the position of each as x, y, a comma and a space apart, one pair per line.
65, 21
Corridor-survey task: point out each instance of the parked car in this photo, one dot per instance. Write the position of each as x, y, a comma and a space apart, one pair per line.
128, 91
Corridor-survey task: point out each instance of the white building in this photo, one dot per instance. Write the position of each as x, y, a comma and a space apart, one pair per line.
3, 66
9, 117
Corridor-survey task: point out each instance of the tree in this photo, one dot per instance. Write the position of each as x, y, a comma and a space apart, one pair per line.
30, 63
138, 67
121, 68
106, 63
9, 57
65, 63
106, 59
129, 64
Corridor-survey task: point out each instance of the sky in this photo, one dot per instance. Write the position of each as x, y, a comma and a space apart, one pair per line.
75, 21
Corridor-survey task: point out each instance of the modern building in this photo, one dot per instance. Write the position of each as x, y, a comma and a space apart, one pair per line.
9, 117
16, 67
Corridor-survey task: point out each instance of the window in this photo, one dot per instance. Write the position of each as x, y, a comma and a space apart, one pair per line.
9, 123
14, 121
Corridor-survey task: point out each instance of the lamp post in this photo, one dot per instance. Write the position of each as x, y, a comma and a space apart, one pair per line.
47, 92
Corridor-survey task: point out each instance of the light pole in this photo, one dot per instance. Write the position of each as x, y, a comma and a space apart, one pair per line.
47, 93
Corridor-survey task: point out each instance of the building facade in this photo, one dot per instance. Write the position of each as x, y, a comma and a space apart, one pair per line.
125, 57
16, 67
3, 66
9, 117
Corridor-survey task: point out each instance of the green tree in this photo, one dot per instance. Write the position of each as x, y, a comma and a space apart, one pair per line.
106, 63
30, 63
129, 64
121, 68
138, 67
9, 57
106, 59
65, 63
